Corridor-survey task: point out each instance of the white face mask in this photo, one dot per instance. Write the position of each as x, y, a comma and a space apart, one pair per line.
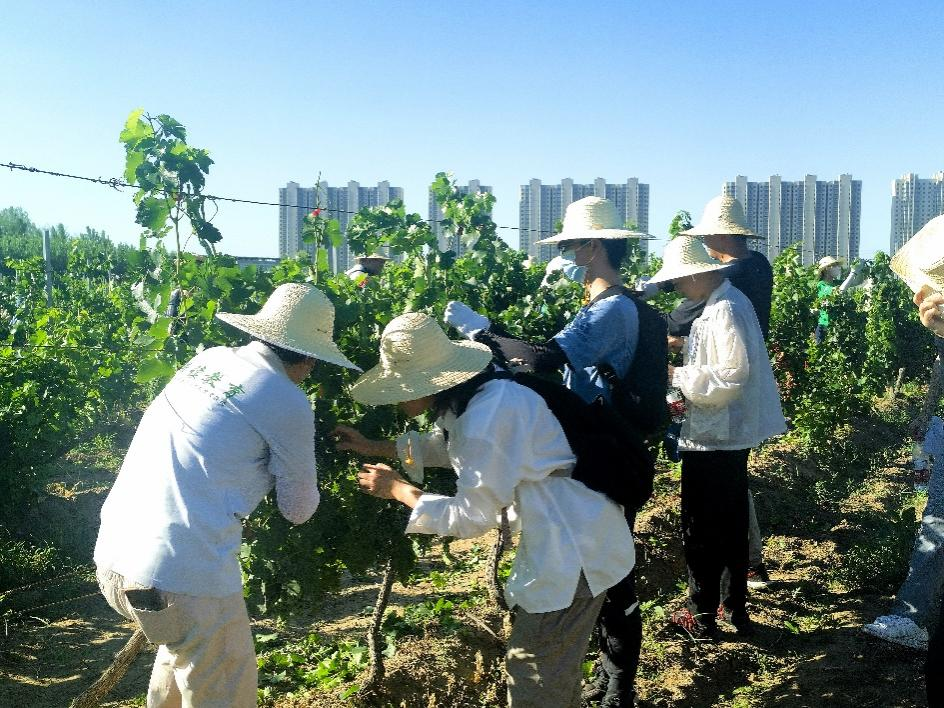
569, 267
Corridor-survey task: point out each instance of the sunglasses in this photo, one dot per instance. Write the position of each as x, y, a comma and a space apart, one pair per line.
571, 245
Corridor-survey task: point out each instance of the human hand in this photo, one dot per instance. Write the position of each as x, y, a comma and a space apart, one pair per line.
348, 438
671, 372
929, 310
379, 480
465, 319
675, 343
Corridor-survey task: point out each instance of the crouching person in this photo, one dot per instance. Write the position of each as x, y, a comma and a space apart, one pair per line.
228, 427
507, 450
732, 406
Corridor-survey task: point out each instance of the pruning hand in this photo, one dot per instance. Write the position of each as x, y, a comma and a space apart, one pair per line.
929, 310
382, 482
465, 319
348, 438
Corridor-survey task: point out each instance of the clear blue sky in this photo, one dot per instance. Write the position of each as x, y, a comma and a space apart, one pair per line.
683, 95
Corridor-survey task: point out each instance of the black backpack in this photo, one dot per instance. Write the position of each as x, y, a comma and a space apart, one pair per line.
640, 395
612, 457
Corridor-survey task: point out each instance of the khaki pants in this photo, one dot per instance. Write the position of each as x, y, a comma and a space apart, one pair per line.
205, 656
546, 650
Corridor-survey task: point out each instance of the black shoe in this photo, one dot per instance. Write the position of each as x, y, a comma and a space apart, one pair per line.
685, 621
596, 689
740, 619
618, 695
627, 700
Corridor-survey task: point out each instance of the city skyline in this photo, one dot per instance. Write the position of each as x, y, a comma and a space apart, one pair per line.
541, 206
822, 215
341, 203
818, 91
915, 202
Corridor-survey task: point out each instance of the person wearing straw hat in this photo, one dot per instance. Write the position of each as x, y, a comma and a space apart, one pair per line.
508, 450
724, 231
915, 619
732, 406
232, 424
829, 270
929, 286
604, 335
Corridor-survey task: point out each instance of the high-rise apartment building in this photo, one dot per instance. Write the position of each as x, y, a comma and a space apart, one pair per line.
340, 203
915, 202
451, 242
823, 216
541, 206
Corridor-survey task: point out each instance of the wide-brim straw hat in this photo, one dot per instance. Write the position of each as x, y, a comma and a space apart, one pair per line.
417, 359
592, 217
827, 262
296, 317
920, 262
723, 216
685, 256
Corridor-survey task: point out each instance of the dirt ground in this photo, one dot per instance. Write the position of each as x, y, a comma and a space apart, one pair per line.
809, 649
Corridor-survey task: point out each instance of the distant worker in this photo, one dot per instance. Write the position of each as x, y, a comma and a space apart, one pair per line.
829, 270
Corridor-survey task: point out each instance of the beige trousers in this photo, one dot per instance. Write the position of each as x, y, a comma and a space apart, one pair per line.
205, 656
546, 650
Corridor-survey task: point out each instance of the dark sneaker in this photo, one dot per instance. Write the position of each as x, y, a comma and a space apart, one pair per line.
741, 621
596, 689
757, 577
625, 700
685, 621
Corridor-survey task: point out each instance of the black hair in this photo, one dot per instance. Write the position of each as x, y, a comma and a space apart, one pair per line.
286, 356
616, 249
456, 399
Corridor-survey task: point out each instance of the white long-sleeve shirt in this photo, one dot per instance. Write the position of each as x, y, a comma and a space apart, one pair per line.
508, 449
731, 395
228, 426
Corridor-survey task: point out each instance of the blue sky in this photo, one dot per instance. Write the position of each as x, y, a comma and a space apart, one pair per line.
683, 95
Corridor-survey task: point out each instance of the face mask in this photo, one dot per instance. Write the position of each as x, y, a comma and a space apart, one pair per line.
570, 268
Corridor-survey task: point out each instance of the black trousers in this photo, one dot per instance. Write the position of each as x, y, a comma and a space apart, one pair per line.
715, 530
620, 632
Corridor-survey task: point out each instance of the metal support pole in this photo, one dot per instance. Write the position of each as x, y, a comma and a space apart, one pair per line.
47, 257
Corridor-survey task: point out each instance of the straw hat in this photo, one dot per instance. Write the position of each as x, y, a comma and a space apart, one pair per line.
684, 256
827, 262
920, 262
417, 359
295, 317
723, 216
592, 217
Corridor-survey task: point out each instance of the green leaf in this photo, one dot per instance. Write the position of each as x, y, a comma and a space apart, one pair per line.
132, 162
153, 368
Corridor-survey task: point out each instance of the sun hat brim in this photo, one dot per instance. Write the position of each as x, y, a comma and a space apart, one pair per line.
315, 347
733, 230
667, 273
383, 386
586, 235
920, 261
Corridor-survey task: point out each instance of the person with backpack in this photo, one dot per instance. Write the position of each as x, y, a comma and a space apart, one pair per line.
508, 450
615, 350
724, 231
732, 405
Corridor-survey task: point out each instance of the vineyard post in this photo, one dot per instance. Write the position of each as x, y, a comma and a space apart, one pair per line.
47, 258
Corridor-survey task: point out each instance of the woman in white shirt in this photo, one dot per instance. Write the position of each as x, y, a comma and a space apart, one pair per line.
507, 450
732, 406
